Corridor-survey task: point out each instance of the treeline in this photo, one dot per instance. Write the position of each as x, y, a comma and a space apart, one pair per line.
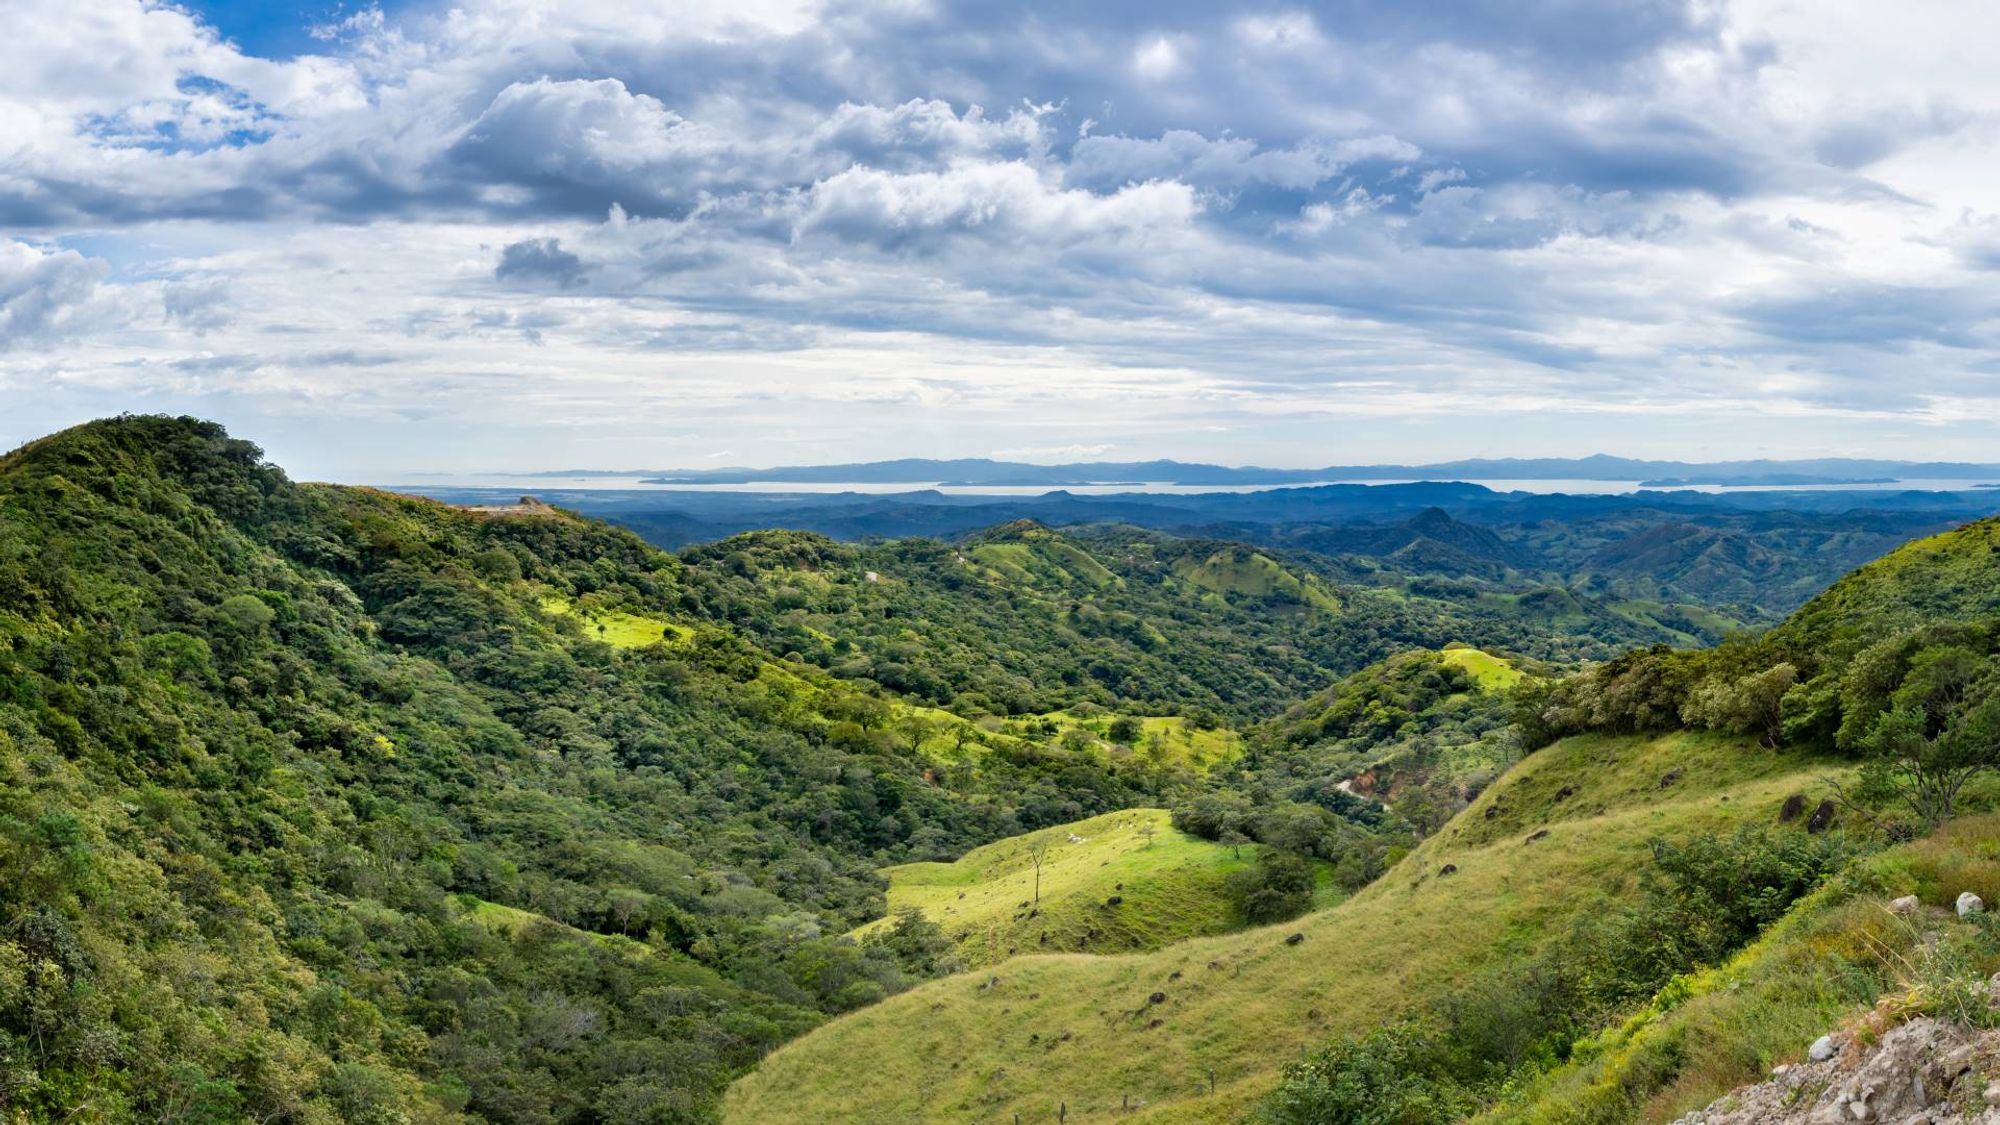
1022, 620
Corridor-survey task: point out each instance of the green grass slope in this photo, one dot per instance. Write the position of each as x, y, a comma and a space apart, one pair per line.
1252, 574
1195, 1032
1841, 958
1493, 673
1169, 886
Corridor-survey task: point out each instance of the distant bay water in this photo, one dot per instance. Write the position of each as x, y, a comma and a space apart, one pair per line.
1573, 486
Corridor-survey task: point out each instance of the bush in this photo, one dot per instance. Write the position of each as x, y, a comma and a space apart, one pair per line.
1388, 1077
1280, 886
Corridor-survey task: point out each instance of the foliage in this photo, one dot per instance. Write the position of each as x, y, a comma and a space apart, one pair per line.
1280, 886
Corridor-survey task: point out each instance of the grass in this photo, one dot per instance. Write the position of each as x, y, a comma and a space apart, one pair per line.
1170, 886
1164, 739
509, 921
1670, 616
616, 627
1247, 573
1838, 959
1041, 559
1492, 672
1035, 1031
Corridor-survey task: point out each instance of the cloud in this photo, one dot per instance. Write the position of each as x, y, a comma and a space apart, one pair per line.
540, 259
587, 145
996, 203
47, 296
1248, 219
1108, 161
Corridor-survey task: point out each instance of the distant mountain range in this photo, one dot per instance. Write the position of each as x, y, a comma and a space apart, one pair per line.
980, 471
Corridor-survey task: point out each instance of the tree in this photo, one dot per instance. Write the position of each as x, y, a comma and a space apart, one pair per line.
1750, 704
1925, 769
1038, 853
918, 944
961, 734
1147, 831
1279, 887
915, 730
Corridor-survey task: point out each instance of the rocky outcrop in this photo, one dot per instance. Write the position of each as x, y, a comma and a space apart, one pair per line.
1923, 1072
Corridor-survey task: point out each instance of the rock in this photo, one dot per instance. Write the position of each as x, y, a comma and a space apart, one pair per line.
1448, 869
1565, 793
1295, 939
1992, 1095
1969, 903
1908, 1078
1114, 900
1908, 904
1157, 998
1537, 834
1491, 812
1793, 808
1669, 777
1821, 817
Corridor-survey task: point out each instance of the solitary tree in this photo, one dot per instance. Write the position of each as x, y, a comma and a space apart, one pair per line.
1038, 853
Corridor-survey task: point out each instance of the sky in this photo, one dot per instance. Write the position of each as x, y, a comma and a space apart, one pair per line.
531, 234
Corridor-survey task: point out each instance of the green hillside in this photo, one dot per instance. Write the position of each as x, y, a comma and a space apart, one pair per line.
1115, 883
1242, 572
1022, 620
1083, 1031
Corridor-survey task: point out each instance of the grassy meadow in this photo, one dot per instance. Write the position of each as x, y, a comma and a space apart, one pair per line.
615, 627
1493, 673
1168, 886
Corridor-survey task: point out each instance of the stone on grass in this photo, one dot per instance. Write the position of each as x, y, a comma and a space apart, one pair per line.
1969, 903
1908, 904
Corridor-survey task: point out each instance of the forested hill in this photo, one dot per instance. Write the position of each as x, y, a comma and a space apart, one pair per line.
327, 804
320, 804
